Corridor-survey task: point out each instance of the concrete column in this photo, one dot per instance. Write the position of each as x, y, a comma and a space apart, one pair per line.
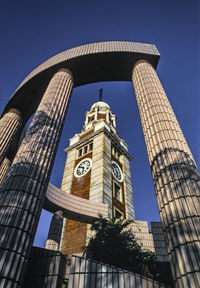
10, 125
86, 120
55, 231
23, 191
107, 117
5, 165
96, 113
176, 178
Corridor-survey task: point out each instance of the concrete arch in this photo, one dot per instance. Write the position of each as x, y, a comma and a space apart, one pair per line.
73, 207
103, 61
96, 62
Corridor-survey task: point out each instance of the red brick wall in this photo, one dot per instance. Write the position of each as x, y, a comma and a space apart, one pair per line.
75, 233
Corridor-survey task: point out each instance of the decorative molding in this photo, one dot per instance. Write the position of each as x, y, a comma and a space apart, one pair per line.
115, 140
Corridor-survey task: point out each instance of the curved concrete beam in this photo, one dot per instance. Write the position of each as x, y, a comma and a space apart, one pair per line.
73, 207
103, 61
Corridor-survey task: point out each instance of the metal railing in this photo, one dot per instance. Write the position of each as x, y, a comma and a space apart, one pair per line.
86, 273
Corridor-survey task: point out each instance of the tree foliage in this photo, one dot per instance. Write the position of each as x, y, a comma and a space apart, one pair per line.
115, 244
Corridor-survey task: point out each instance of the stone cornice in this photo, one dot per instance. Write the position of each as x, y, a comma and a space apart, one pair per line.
114, 139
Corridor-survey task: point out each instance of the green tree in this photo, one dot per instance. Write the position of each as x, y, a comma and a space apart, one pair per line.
116, 245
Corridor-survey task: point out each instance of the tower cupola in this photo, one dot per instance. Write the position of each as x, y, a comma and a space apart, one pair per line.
100, 111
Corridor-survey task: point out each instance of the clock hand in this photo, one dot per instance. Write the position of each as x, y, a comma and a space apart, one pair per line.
85, 164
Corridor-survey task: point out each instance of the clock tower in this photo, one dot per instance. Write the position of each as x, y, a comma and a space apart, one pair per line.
97, 168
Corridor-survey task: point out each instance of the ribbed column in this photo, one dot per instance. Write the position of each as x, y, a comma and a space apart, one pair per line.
176, 178
10, 125
55, 231
5, 165
23, 191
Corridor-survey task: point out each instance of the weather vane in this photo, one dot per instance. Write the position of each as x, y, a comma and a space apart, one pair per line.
100, 94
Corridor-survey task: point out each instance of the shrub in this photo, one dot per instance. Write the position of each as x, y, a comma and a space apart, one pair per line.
116, 245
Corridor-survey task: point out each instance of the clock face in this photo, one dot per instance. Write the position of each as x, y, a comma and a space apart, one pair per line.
116, 171
83, 167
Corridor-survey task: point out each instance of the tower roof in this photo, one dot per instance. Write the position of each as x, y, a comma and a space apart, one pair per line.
100, 105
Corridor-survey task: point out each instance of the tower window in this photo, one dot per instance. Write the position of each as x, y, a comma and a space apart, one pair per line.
116, 153
85, 149
80, 152
90, 146
117, 213
117, 192
90, 118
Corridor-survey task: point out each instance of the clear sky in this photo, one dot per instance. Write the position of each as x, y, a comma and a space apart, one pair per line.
32, 31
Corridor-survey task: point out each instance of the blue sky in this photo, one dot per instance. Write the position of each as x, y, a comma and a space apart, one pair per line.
32, 31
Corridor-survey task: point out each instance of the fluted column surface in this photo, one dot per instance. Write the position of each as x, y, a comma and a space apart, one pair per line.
10, 125
23, 191
175, 175
5, 165
55, 231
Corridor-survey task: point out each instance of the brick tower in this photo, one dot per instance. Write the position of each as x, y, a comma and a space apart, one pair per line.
97, 168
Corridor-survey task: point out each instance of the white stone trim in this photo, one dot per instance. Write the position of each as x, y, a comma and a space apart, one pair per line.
74, 140
114, 212
122, 178
85, 159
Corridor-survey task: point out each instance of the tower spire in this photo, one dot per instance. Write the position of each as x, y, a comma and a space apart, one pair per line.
100, 94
